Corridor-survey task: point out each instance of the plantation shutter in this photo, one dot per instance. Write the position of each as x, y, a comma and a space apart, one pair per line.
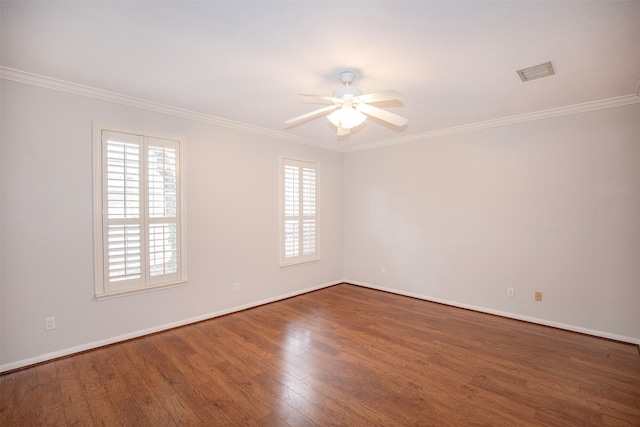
299, 221
163, 213
141, 216
122, 224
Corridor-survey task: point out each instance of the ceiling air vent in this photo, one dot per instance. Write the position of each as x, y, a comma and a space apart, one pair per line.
535, 72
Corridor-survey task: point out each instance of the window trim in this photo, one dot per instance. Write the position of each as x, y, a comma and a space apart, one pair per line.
98, 203
300, 259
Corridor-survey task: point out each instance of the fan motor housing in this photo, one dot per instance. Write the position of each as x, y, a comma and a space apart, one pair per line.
346, 90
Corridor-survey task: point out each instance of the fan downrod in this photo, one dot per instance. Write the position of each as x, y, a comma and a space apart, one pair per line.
346, 77
348, 91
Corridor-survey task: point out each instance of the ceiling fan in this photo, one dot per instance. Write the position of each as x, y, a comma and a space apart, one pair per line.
352, 107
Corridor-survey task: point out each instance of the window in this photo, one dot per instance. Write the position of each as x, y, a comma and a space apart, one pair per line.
139, 220
299, 223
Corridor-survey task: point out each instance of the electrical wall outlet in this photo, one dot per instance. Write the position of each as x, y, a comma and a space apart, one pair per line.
50, 323
510, 292
383, 271
236, 286
538, 296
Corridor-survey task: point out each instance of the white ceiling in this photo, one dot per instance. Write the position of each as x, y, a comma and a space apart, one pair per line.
455, 61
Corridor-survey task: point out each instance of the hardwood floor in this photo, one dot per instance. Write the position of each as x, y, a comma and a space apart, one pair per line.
343, 355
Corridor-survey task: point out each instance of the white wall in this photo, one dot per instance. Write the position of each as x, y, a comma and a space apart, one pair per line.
232, 220
551, 206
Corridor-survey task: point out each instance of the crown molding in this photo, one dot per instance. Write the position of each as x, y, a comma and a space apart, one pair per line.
103, 95
505, 121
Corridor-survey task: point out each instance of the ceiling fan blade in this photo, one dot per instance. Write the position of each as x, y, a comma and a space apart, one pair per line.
382, 114
328, 98
387, 95
311, 114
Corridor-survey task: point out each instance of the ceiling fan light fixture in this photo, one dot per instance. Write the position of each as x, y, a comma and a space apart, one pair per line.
351, 108
346, 91
346, 117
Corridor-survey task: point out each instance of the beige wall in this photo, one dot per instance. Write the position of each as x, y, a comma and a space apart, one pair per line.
232, 224
551, 206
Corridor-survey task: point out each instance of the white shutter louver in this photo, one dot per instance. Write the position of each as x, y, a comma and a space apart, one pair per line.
163, 256
123, 177
124, 262
162, 182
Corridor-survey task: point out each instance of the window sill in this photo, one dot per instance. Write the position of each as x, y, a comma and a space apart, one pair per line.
298, 262
118, 294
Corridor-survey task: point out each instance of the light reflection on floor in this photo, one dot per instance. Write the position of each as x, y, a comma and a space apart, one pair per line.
296, 341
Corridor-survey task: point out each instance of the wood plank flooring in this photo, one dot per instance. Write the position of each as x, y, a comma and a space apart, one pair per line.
343, 355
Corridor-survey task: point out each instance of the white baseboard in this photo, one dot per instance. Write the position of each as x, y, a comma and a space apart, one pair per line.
136, 334
516, 316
